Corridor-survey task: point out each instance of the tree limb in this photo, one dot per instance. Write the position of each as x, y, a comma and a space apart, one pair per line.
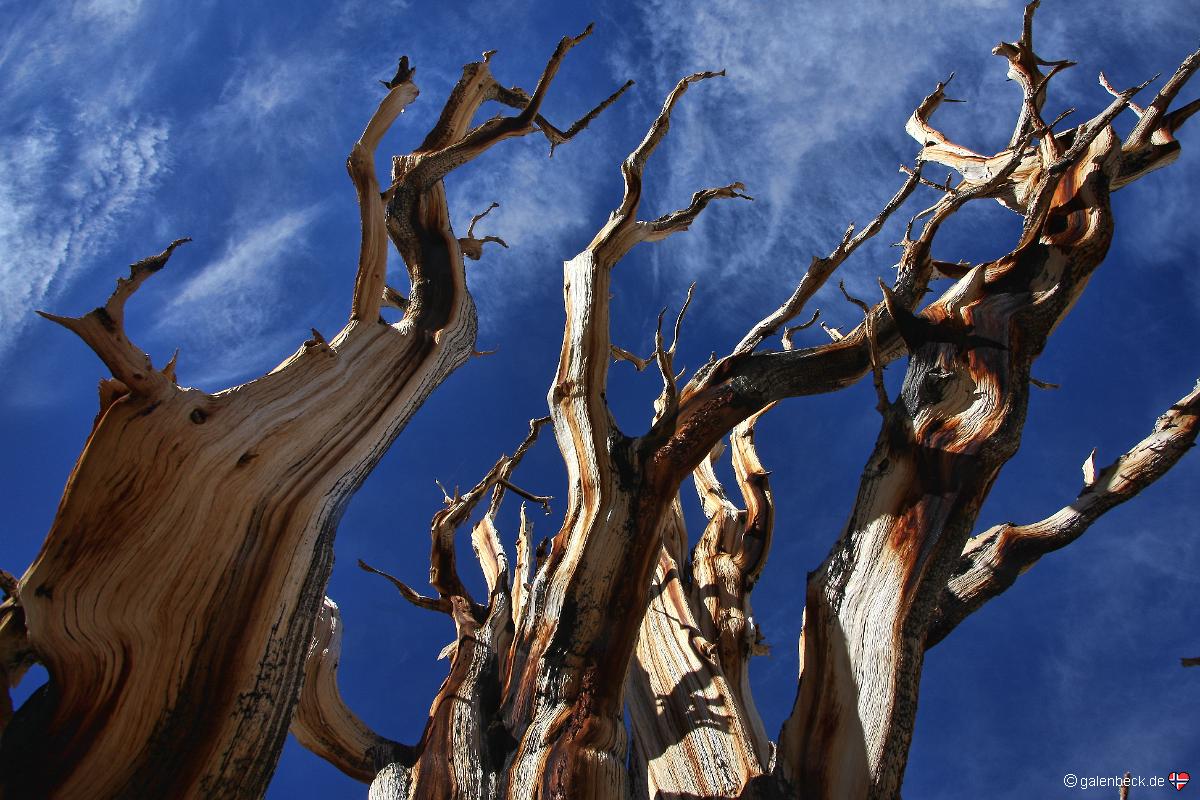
407, 592
472, 247
820, 269
372, 257
323, 724
1154, 120
623, 229
103, 330
992, 561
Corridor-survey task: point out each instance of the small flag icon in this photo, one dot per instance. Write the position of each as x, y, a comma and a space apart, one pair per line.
1179, 780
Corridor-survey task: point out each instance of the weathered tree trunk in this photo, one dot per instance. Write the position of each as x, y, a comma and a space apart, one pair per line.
620, 553
175, 599
957, 421
695, 728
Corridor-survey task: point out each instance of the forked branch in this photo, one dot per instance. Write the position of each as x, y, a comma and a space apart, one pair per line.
412, 211
992, 561
1155, 122
443, 562
103, 330
623, 229
472, 247
1024, 66
435, 164
517, 98
820, 269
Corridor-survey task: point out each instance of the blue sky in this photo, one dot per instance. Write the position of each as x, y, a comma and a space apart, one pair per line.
125, 124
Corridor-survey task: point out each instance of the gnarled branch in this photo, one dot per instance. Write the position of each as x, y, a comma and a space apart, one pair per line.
372, 256
992, 561
820, 269
323, 723
103, 330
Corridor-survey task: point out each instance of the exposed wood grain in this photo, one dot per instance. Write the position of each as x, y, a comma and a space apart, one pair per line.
174, 598
178, 601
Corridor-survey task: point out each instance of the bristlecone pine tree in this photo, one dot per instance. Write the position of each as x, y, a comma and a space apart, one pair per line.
178, 601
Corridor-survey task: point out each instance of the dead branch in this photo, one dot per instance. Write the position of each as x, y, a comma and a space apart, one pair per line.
820, 269
472, 247
103, 330
407, 592
323, 723
992, 561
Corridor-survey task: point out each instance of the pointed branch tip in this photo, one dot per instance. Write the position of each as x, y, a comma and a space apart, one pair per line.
542, 500
789, 332
403, 74
407, 592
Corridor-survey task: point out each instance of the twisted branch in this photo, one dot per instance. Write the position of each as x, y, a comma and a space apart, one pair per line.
992, 561
103, 330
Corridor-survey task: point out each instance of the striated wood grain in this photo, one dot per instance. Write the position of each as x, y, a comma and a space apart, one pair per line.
178, 601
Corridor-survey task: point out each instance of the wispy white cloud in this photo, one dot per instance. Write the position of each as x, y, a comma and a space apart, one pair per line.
358, 14
73, 164
249, 265
275, 100
63, 195
226, 317
117, 16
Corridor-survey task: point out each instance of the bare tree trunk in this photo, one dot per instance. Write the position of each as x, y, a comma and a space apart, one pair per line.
957, 421
554, 713
695, 728
175, 600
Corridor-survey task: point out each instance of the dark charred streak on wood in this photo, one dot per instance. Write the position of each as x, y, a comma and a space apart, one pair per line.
149, 409
245, 458
432, 262
105, 319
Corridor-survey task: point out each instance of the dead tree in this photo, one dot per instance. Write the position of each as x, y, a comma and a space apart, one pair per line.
174, 598
191, 689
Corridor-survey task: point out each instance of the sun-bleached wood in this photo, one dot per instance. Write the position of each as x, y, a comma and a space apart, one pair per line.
179, 605
322, 722
992, 561
175, 596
